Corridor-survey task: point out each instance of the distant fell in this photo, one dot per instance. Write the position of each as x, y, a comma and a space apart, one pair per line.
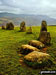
30, 19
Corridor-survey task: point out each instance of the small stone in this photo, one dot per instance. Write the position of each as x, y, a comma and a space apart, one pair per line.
29, 30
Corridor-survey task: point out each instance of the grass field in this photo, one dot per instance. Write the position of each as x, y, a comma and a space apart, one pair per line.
11, 40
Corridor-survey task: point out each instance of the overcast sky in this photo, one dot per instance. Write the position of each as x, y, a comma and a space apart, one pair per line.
39, 7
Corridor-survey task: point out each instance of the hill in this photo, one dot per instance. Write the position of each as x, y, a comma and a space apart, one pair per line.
31, 20
10, 58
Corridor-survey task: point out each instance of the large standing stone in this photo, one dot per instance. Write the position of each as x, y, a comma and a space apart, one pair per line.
44, 26
44, 36
22, 26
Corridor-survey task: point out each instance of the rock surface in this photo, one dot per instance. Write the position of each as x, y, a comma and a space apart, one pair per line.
22, 27
37, 57
3, 27
36, 43
45, 37
43, 26
10, 26
25, 49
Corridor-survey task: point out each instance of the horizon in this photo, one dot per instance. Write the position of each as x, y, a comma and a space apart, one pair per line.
27, 14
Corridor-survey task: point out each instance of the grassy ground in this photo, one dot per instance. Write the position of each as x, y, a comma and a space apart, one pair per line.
11, 40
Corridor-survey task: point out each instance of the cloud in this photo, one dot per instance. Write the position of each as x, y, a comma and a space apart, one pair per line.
42, 7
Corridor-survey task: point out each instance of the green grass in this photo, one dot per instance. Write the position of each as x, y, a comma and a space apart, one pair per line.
11, 40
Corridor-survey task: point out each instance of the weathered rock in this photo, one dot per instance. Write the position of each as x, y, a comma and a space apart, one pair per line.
45, 37
37, 59
9, 26
25, 49
29, 30
44, 26
36, 43
22, 27
3, 27
36, 56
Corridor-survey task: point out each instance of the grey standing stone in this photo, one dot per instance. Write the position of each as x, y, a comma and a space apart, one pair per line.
44, 36
22, 27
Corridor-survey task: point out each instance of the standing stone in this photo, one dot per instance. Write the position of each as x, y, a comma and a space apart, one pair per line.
44, 26
22, 26
10, 26
44, 36
29, 30
3, 27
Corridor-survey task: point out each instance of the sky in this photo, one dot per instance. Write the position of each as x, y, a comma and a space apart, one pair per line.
39, 7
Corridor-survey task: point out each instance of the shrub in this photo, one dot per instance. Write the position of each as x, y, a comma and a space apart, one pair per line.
9, 26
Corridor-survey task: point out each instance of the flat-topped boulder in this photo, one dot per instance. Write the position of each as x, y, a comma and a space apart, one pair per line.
25, 49
37, 56
37, 59
36, 43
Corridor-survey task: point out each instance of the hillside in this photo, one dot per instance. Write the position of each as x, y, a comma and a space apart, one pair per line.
11, 40
31, 20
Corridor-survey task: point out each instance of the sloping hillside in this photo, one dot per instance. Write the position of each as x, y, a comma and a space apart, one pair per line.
11, 40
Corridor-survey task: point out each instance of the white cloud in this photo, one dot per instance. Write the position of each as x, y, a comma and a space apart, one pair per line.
45, 7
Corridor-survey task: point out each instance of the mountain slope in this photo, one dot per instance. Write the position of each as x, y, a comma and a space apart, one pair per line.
29, 19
